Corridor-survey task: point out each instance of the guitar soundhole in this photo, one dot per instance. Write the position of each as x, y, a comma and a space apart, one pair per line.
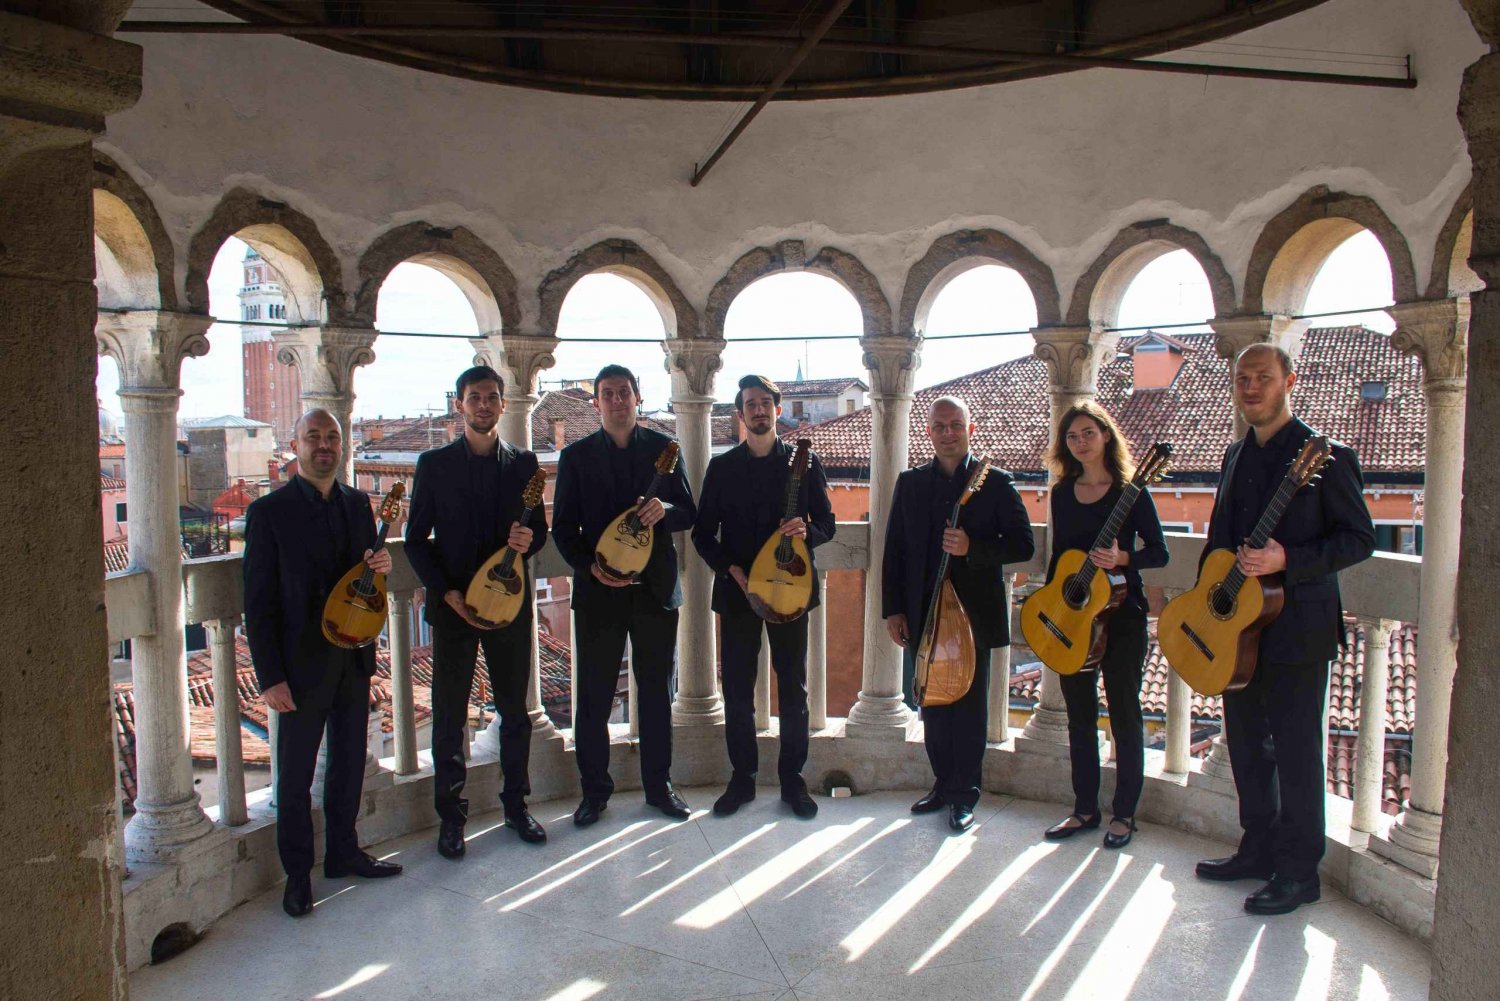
1220, 604
1074, 592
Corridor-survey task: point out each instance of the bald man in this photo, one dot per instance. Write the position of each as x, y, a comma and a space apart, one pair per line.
299, 541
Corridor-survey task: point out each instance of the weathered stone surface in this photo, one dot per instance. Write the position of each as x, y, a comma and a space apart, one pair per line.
840, 265
618, 256
478, 271
1096, 296
952, 254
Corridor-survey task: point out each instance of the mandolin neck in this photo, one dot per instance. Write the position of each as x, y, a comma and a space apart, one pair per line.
509, 559
789, 510
657, 480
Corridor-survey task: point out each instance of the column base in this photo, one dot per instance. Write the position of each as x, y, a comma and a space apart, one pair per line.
486, 743
1045, 733
693, 710
879, 717
376, 777
163, 833
1216, 775
1412, 841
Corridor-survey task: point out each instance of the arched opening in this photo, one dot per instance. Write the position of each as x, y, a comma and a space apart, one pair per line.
607, 318
1350, 281
125, 272
975, 296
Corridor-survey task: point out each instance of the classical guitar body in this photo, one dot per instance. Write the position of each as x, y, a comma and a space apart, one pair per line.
1214, 648
355, 611
1065, 622
625, 547
780, 591
497, 593
945, 655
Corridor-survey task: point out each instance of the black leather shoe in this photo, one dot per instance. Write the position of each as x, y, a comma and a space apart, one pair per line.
451, 840
668, 802
931, 803
1063, 829
1234, 867
735, 796
361, 864
588, 811
802, 804
1282, 895
1113, 840
525, 825
296, 900
960, 817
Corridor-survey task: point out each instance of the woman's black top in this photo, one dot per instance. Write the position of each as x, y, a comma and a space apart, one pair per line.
1076, 525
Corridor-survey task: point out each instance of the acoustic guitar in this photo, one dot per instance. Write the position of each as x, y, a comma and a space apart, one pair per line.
625, 547
1211, 634
945, 653
354, 613
497, 592
1066, 622
781, 578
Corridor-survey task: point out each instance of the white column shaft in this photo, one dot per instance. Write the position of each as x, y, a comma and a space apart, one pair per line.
228, 749
817, 660
697, 700
403, 709
1369, 762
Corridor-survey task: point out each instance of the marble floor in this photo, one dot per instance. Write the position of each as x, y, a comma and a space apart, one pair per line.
865, 902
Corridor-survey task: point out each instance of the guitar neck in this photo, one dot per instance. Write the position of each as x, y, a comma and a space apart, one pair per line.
1269, 519
1111, 530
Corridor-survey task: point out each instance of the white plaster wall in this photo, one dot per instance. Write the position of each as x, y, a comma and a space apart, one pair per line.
1060, 163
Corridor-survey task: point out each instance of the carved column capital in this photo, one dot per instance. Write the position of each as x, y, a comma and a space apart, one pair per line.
523, 357
326, 357
1437, 331
1073, 356
150, 345
892, 362
693, 365
1233, 334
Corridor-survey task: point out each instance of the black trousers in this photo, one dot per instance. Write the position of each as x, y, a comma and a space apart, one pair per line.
611, 615
1275, 735
345, 718
1122, 667
739, 633
955, 738
507, 654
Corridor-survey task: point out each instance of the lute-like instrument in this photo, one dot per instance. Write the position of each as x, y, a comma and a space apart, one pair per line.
1211, 634
945, 652
354, 613
497, 593
781, 578
1066, 621
624, 548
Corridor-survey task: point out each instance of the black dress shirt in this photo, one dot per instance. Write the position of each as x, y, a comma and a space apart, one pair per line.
1076, 525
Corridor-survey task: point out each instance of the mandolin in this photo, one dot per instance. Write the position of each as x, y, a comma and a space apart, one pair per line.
1211, 634
355, 611
625, 547
781, 578
945, 653
1066, 622
497, 593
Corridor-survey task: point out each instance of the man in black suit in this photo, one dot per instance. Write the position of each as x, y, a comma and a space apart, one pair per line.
743, 505
1274, 725
993, 530
299, 541
597, 478
468, 494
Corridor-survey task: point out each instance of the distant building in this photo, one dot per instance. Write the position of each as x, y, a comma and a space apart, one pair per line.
224, 449
810, 400
273, 390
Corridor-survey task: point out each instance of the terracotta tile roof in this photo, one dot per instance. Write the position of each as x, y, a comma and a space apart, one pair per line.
819, 387
116, 555
107, 482
410, 434
1009, 402
1395, 785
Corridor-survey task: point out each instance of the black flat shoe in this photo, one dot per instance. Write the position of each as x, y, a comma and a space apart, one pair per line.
735, 796
1113, 840
1059, 831
1282, 895
296, 900
670, 803
1234, 867
588, 811
362, 865
960, 817
525, 825
931, 803
451, 840
802, 804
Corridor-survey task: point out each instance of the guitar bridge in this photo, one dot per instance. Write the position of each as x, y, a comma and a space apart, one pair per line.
1054, 630
1197, 641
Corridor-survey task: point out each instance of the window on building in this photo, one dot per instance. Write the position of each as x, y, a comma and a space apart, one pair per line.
796, 408
848, 406
120, 512
1373, 391
251, 432
1177, 526
1403, 539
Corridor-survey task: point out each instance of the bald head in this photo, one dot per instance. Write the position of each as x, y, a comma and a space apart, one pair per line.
949, 427
949, 403
319, 443
319, 415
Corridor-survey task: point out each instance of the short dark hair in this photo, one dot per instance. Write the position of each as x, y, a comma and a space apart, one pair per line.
1282, 358
757, 382
479, 373
616, 372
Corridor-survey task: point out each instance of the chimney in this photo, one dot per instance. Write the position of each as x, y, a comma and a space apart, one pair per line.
452, 401
273, 470
1155, 362
559, 433
372, 432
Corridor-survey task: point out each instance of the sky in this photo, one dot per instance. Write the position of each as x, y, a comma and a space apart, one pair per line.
410, 375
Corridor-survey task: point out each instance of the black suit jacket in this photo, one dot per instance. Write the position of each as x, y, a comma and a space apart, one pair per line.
731, 528
582, 509
290, 567
999, 533
442, 505
1326, 528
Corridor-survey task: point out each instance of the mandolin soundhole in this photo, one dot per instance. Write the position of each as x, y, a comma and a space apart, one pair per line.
793, 566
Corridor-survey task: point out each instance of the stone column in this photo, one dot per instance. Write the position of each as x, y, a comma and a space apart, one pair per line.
1073, 356
228, 750
149, 347
326, 358
1369, 760
692, 364
892, 364
403, 709
1438, 333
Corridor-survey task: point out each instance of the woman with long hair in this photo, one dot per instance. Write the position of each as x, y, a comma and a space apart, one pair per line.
1091, 464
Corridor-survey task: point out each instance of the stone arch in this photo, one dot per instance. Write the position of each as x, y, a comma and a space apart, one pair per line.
1451, 274
955, 253
135, 261
1097, 295
1295, 243
288, 240
459, 255
627, 260
791, 255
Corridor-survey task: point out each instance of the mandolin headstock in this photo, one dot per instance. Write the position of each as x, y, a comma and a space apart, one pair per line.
532, 495
976, 480
667, 461
799, 460
1315, 454
390, 508
1153, 467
